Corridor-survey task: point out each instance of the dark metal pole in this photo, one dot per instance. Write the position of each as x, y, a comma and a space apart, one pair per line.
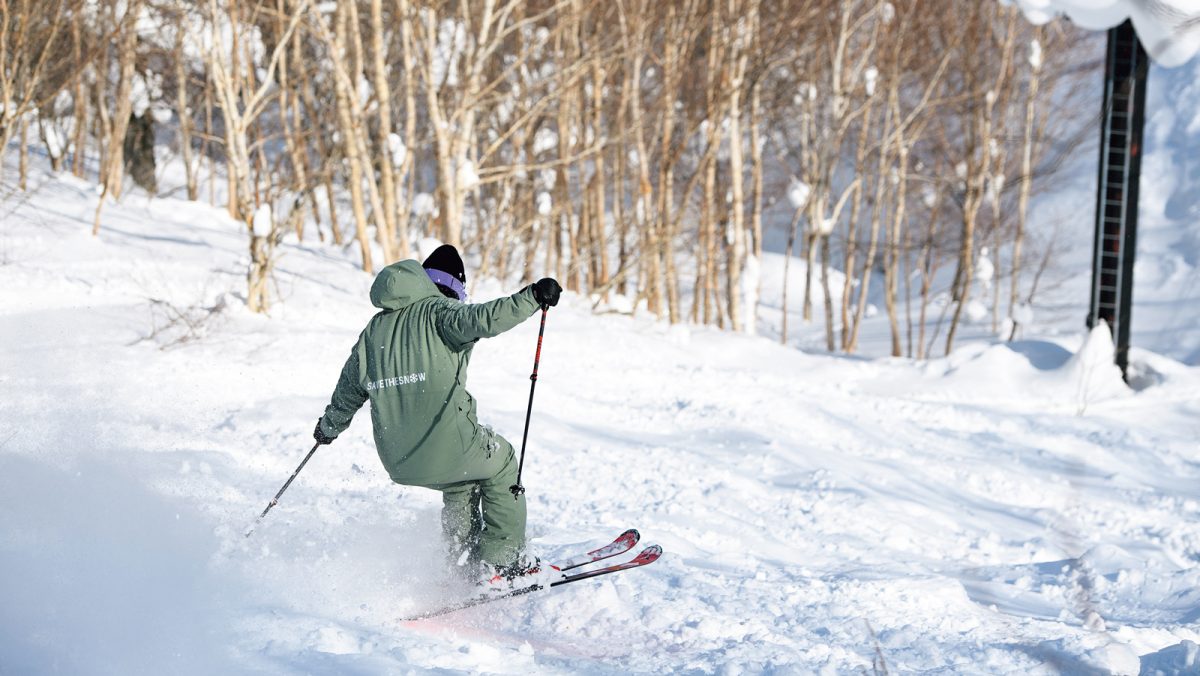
517, 489
275, 500
1125, 75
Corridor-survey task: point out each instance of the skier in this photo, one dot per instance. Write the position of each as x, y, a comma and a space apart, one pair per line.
411, 362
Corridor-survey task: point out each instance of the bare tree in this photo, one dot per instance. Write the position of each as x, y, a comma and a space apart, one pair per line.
978, 126
241, 106
606, 142
350, 126
116, 122
744, 33
30, 31
1026, 176
183, 103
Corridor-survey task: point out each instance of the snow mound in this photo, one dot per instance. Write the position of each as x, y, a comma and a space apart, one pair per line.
1091, 371
1026, 370
1181, 659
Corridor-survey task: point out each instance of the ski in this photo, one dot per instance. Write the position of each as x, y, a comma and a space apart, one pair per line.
624, 542
646, 556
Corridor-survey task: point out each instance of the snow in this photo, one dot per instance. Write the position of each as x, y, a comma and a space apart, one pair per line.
1167, 28
888, 12
985, 270
870, 76
750, 280
544, 140
140, 95
1176, 659
424, 204
1167, 272
798, 192
426, 246
452, 42
57, 142
995, 183
1009, 508
1023, 313
397, 149
465, 175
262, 223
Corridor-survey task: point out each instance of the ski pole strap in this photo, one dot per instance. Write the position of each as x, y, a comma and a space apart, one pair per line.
517, 489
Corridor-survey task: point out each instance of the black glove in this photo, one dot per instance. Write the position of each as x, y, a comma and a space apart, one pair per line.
320, 436
546, 292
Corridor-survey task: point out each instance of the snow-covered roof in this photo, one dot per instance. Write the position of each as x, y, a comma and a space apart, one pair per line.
1169, 29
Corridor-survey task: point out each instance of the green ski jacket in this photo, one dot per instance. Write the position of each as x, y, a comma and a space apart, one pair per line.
411, 362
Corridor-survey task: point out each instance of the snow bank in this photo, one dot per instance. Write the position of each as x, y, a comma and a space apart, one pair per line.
1167, 271
1177, 660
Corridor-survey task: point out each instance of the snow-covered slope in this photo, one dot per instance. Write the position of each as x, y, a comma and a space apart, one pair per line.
1008, 509
1167, 273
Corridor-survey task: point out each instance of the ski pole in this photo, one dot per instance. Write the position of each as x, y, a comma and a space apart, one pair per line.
517, 489
275, 500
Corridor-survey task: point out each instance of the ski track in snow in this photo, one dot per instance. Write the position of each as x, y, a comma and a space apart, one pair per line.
1006, 509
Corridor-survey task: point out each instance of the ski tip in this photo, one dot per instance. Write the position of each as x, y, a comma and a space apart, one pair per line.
631, 534
648, 555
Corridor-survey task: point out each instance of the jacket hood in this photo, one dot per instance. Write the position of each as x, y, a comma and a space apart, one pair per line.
400, 285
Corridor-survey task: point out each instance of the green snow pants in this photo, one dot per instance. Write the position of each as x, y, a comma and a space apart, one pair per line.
481, 521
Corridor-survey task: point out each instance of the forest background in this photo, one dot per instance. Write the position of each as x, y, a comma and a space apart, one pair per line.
640, 151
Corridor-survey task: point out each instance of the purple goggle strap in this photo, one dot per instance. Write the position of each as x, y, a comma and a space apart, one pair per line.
448, 280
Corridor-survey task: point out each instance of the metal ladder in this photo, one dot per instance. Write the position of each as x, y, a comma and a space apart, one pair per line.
1115, 245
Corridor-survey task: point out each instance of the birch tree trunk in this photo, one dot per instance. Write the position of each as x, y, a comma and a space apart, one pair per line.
410, 120
787, 264
756, 213
344, 90
743, 35
112, 172
651, 210
184, 113
1026, 182
79, 152
359, 132
979, 137
892, 265
849, 260
383, 92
